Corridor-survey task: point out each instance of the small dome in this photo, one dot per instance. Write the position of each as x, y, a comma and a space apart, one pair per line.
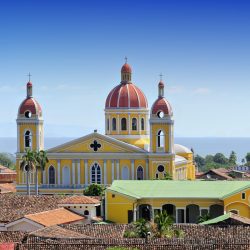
161, 84
180, 149
161, 105
30, 105
126, 68
126, 96
29, 84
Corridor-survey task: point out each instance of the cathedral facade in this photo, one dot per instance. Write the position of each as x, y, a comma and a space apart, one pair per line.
138, 144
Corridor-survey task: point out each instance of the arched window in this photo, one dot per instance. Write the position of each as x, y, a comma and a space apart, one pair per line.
142, 123
96, 174
113, 124
139, 173
52, 176
160, 139
66, 175
125, 173
28, 139
124, 124
108, 124
134, 124
86, 212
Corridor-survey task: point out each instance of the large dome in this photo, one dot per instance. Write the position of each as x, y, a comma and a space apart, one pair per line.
126, 94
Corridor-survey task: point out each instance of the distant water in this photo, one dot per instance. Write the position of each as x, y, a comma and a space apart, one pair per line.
201, 146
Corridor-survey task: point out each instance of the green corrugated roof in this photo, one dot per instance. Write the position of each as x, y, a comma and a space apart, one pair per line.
178, 189
217, 219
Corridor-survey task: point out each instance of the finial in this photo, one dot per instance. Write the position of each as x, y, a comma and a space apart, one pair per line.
29, 75
126, 59
161, 75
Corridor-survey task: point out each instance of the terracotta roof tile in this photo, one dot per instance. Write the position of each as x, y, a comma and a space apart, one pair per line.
80, 199
54, 217
57, 232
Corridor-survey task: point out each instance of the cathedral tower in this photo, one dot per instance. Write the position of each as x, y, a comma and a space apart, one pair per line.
126, 112
161, 124
29, 123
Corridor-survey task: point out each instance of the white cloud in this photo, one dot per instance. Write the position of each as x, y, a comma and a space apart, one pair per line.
175, 89
202, 91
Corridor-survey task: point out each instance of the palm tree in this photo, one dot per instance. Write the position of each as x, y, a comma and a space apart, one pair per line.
164, 222
28, 164
204, 218
41, 160
142, 227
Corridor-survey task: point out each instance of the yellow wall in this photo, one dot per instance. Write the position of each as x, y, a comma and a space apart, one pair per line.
155, 129
117, 207
235, 202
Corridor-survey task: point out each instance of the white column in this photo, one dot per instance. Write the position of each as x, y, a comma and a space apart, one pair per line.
129, 129
139, 124
117, 169
146, 173
18, 138
86, 172
113, 170
73, 172
134, 214
132, 169
37, 137
105, 172
110, 124
78, 172
118, 122
58, 172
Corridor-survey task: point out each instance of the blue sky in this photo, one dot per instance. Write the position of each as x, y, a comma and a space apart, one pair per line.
75, 49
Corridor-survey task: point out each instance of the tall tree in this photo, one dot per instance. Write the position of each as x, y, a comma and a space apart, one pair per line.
200, 162
248, 157
220, 158
28, 164
41, 161
233, 158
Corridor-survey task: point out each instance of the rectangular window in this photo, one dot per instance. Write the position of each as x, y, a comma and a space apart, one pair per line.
180, 216
243, 196
130, 216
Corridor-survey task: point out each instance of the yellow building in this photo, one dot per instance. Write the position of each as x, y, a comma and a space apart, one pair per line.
138, 143
127, 201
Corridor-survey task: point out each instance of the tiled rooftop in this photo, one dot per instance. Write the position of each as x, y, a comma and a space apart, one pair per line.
54, 217
79, 199
15, 206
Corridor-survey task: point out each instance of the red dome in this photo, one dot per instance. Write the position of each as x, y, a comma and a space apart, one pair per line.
126, 68
126, 96
161, 105
30, 104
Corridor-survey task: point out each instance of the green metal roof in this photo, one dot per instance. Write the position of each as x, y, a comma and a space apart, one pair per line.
178, 189
217, 219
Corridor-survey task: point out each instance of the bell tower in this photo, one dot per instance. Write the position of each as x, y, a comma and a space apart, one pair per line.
30, 134
161, 124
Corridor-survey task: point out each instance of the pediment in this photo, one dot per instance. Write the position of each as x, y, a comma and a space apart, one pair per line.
96, 143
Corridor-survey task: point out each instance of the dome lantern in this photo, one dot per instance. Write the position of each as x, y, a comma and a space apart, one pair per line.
29, 89
126, 72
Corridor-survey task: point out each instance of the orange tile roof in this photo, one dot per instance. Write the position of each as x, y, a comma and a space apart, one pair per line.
54, 217
7, 188
79, 199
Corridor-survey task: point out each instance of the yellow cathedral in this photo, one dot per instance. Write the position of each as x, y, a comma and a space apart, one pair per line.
138, 144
